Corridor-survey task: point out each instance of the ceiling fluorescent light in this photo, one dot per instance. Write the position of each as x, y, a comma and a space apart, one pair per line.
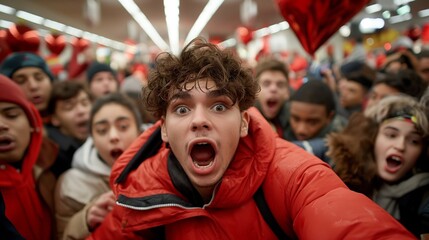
373, 8
423, 13
54, 25
386, 14
6, 9
228, 43
369, 25
57, 26
345, 31
104, 41
207, 13
403, 10
73, 31
400, 18
91, 36
262, 32
171, 10
5, 24
284, 25
275, 28
144, 23
281, 26
402, 2
29, 17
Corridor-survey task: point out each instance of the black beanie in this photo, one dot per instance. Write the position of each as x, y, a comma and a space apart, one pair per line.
359, 72
97, 67
19, 60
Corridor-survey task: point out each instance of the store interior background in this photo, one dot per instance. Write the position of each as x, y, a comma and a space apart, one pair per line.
117, 37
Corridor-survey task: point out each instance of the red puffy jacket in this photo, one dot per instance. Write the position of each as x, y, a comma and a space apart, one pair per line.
306, 197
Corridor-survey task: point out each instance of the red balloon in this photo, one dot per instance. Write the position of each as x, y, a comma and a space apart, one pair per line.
245, 34
21, 37
55, 43
80, 44
314, 22
425, 33
413, 32
4, 47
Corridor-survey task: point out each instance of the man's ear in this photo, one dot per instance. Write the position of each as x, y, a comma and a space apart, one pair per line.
245, 119
164, 134
55, 121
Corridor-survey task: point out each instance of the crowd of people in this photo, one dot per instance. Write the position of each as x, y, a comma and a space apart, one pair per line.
229, 152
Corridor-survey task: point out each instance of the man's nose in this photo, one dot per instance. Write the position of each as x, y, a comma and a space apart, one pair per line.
200, 119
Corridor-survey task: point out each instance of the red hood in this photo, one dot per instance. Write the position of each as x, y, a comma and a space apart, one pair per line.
9, 177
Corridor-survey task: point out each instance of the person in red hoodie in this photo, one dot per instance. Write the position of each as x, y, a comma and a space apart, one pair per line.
203, 170
20, 142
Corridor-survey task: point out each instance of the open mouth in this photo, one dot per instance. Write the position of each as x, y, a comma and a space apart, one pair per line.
202, 155
115, 153
82, 125
6, 144
393, 161
271, 103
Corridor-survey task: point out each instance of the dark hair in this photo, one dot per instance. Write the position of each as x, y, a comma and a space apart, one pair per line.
315, 92
115, 98
423, 54
271, 64
64, 90
402, 58
199, 60
405, 81
359, 72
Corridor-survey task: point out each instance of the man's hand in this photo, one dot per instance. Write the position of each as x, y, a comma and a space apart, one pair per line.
100, 208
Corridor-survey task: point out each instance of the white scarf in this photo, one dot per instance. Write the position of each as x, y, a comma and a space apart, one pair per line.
86, 159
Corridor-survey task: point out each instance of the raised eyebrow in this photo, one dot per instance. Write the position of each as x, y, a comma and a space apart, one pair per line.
187, 95
180, 95
216, 93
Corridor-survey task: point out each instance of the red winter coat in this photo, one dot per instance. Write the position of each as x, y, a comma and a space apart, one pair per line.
24, 207
308, 200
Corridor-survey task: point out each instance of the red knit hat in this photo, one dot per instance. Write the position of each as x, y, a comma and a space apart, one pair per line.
11, 92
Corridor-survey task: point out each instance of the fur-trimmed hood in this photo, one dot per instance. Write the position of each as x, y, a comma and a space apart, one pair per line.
352, 153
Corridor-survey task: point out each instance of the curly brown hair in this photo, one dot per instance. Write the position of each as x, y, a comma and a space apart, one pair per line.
199, 60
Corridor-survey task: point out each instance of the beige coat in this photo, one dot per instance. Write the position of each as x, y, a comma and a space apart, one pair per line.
76, 191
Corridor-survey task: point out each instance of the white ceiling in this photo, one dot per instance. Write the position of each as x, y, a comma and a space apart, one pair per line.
114, 18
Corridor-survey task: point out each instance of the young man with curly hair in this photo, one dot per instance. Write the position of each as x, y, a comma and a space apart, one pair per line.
196, 172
